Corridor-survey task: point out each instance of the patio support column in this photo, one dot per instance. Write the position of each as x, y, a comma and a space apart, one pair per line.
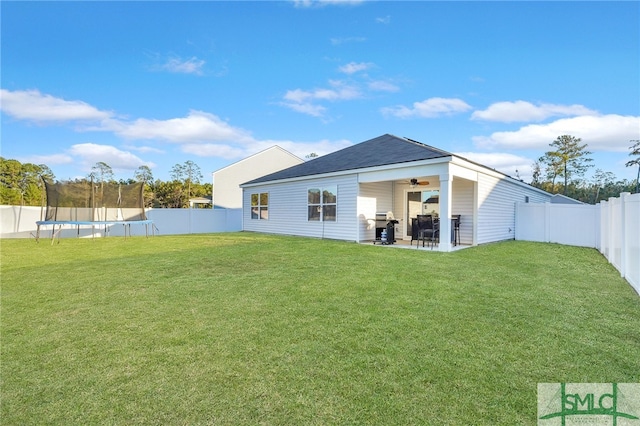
445, 212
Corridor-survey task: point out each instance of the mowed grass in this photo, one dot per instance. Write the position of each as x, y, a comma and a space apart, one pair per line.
246, 328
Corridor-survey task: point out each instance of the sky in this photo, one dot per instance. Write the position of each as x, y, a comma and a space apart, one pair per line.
213, 82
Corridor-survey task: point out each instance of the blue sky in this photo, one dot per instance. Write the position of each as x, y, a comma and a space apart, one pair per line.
160, 83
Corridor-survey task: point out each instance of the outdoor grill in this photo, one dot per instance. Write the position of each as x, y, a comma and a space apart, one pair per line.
384, 223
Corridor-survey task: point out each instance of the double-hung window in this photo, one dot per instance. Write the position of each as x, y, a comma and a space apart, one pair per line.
260, 206
322, 204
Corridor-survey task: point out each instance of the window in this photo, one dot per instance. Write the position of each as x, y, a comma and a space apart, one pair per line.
260, 206
323, 204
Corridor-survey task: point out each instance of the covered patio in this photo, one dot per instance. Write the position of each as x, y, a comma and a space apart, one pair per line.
440, 190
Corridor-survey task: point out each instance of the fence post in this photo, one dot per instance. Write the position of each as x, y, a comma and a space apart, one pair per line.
603, 221
597, 221
623, 233
611, 230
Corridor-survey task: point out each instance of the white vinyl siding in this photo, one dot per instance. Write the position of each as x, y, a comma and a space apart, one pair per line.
400, 210
462, 204
288, 209
374, 198
496, 207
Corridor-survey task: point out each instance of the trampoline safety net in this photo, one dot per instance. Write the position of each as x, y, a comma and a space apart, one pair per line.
94, 202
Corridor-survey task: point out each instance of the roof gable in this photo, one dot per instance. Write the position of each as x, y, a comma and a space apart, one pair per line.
381, 151
259, 154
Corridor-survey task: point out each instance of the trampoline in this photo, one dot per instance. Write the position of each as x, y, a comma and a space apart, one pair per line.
97, 205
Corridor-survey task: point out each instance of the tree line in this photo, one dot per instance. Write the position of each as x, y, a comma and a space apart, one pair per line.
22, 183
560, 170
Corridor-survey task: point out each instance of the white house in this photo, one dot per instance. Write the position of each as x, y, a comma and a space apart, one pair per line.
338, 195
226, 181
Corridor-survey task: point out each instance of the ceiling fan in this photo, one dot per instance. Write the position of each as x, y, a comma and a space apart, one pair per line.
415, 182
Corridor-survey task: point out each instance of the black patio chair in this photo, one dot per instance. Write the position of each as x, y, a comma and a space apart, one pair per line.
427, 229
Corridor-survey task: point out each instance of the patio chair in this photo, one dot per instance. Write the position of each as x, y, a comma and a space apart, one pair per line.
455, 229
427, 229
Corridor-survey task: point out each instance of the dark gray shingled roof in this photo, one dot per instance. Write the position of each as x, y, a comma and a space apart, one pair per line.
381, 151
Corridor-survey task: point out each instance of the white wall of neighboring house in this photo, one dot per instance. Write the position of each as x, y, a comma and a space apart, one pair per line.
227, 193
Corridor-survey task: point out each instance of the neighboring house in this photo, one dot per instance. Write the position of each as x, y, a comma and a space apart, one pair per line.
199, 201
226, 181
563, 199
338, 195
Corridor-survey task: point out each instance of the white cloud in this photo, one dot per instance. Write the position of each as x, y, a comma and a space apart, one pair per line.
354, 67
198, 126
304, 101
188, 66
298, 95
338, 92
35, 106
603, 133
306, 108
343, 40
214, 150
502, 162
49, 160
384, 20
523, 111
322, 3
429, 108
382, 86
144, 149
91, 153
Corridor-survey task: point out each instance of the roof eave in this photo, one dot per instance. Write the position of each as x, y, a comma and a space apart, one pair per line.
401, 165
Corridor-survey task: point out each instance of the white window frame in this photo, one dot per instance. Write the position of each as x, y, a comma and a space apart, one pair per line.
259, 211
317, 209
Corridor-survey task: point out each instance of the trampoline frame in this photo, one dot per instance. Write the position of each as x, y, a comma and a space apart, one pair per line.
93, 224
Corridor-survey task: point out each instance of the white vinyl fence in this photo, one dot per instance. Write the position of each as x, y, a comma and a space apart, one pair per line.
20, 222
613, 227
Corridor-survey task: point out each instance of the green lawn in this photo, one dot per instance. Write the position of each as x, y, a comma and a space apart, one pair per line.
246, 328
